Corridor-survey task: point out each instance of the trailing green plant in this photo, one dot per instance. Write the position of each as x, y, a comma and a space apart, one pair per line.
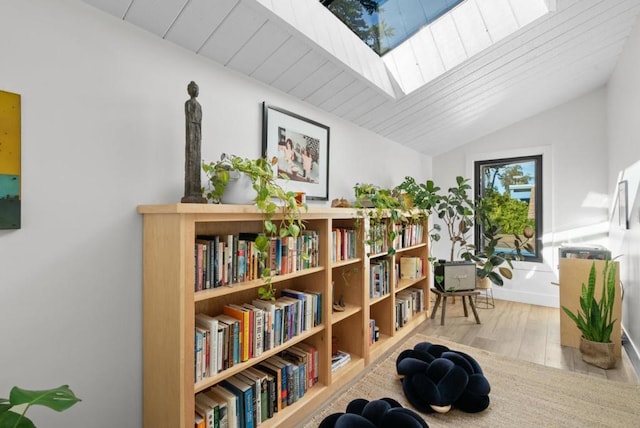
594, 319
58, 399
384, 208
270, 198
425, 199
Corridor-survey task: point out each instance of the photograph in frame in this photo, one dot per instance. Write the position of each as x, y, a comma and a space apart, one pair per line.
301, 146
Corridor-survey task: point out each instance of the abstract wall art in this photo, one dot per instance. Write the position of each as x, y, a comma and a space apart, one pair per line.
9, 160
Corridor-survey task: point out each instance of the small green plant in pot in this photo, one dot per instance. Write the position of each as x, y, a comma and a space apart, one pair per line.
384, 207
594, 318
58, 399
270, 198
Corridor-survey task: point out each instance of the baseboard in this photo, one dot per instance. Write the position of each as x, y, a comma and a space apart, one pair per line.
632, 351
526, 297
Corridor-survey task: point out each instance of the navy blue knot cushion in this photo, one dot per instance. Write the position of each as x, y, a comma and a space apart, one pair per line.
383, 413
436, 378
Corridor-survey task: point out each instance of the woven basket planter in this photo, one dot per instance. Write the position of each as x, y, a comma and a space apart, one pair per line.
598, 354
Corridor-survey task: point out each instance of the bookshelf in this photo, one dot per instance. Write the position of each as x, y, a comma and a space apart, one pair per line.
171, 302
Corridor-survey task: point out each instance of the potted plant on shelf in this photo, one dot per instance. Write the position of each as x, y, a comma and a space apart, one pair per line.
58, 399
268, 195
425, 198
594, 318
379, 204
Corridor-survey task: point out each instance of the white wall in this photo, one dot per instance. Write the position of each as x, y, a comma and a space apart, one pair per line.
623, 104
102, 132
572, 139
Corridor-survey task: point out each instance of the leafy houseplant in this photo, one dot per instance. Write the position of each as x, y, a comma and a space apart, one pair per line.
270, 198
379, 204
59, 399
491, 264
594, 319
456, 210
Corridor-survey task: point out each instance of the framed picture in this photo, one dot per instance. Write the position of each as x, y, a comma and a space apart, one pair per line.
10, 164
302, 148
623, 215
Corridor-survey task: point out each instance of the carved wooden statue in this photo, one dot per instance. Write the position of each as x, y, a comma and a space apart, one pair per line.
192, 167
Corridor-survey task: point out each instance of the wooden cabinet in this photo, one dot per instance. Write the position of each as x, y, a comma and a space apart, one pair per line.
170, 303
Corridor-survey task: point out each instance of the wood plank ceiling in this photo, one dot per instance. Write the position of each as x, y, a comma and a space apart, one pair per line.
558, 57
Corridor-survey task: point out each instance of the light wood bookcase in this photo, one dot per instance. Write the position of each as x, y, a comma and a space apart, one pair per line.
170, 304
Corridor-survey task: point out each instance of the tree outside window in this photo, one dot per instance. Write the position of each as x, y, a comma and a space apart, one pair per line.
511, 190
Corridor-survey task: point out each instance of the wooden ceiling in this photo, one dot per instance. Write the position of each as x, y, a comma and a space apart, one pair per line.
298, 47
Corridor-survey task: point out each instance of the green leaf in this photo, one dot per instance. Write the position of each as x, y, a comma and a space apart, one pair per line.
4, 405
14, 420
59, 399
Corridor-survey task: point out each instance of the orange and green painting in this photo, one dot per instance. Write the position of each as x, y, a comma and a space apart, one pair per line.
9, 160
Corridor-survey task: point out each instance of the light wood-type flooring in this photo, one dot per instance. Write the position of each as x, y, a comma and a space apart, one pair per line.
523, 331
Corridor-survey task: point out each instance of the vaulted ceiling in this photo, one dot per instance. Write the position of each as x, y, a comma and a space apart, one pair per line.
299, 47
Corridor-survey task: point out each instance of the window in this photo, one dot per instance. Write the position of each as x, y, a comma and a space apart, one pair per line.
384, 24
512, 191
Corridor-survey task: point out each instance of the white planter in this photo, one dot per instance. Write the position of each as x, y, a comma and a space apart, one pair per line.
239, 190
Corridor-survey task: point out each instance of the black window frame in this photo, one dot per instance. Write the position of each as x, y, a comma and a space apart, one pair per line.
479, 192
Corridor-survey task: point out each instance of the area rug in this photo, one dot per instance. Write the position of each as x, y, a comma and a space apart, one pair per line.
523, 394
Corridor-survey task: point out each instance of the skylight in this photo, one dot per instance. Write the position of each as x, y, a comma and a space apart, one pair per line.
385, 24
420, 40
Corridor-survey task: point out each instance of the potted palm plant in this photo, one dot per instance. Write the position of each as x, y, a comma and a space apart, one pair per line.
594, 318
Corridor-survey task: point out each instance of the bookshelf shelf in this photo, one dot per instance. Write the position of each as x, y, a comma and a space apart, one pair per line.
210, 381
355, 364
349, 262
213, 293
171, 302
406, 283
376, 300
349, 311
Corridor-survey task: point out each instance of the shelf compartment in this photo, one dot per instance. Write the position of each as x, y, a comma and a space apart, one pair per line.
348, 371
210, 381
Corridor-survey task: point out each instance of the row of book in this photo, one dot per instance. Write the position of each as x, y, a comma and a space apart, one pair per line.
374, 332
345, 243
234, 258
256, 394
409, 302
245, 331
405, 235
411, 267
339, 360
408, 234
379, 278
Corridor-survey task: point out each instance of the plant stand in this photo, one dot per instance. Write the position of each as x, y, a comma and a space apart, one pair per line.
484, 300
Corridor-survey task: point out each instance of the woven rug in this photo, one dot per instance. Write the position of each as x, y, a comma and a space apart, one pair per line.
523, 394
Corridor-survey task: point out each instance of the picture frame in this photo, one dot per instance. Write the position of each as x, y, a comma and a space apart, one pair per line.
10, 161
623, 214
301, 146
